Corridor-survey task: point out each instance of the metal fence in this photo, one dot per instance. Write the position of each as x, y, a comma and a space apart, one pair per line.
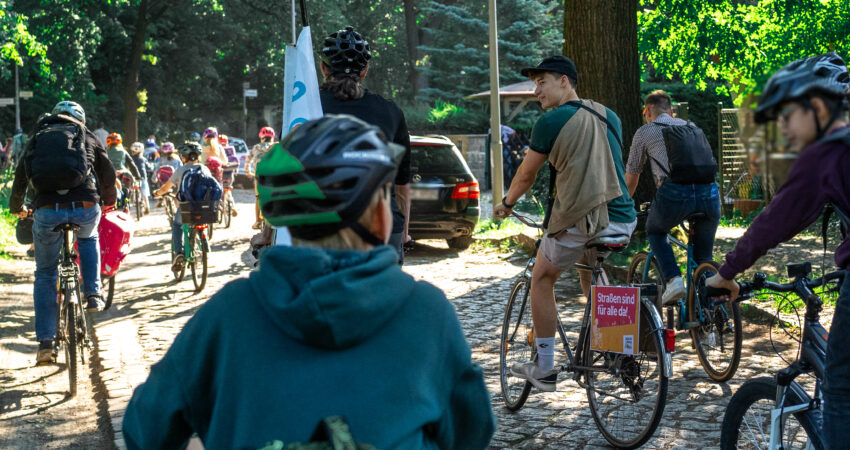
744, 185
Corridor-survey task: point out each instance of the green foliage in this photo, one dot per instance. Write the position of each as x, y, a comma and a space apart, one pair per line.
445, 118
740, 43
7, 219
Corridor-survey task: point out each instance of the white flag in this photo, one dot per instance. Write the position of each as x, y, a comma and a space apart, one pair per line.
300, 97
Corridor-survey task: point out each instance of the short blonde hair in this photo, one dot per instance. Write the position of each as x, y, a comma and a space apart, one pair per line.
346, 238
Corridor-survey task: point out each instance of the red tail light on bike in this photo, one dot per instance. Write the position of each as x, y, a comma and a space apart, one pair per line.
670, 340
468, 190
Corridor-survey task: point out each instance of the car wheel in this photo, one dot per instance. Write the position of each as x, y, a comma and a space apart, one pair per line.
460, 242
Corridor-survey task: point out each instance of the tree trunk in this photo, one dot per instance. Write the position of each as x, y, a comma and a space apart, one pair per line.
412, 45
600, 36
131, 99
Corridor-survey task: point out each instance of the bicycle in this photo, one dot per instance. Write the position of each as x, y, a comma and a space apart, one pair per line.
760, 413
626, 393
227, 207
71, 328
136, 195
195, 249
715, 329
170, 207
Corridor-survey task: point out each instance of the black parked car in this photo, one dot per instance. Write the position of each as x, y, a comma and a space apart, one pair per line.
444, 193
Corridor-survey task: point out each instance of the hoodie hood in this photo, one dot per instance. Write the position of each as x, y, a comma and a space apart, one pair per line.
328, 298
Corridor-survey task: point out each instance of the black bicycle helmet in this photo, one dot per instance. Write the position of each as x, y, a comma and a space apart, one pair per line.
191, 147
822, 74
321, 177
346, 51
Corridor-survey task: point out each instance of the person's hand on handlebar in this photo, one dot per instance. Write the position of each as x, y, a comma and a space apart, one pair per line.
501, 211
717, 281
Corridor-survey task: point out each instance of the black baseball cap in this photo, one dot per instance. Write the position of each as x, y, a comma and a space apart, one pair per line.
558, 64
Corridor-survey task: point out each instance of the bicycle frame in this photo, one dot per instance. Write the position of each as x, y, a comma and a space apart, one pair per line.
188, 250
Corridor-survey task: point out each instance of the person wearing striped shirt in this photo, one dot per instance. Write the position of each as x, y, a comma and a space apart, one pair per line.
673, 202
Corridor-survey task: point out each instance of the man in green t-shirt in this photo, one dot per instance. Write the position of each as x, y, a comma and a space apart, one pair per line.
591, 199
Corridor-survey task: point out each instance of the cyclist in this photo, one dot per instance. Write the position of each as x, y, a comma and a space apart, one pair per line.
125, 171
230, 167
151, 151
170, 161
808, 99
191, 154
340, 326
673, 201
580, 139
267, 136
345, 63
211, 146
141, 163
53, 207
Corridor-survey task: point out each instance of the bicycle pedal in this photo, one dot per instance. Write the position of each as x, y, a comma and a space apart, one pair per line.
689, 325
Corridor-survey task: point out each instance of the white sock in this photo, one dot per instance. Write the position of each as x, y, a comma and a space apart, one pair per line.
545, 353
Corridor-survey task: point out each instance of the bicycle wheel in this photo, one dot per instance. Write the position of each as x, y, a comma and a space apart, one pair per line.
209, 231
226, 214
627, 393
137, 201
516, 345
169, 210
110, 292
69, 328
180, 274
81, 326
746, 424
717, 339
639, 273
199, 264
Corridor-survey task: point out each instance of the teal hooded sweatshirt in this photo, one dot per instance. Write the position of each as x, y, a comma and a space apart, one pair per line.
311, 334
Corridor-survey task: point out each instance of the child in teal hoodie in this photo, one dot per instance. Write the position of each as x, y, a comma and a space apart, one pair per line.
329, 327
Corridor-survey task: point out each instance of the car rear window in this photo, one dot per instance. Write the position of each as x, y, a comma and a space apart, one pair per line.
434, 159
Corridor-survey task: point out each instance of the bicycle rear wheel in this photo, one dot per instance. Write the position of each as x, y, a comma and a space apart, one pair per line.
69, 328
516, 345
228, 210
110, 292
717, 339
81, 326
627, 393
746, 424
199, 264
137, 201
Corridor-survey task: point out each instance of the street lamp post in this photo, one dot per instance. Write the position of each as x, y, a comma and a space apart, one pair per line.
17, 100
495, 111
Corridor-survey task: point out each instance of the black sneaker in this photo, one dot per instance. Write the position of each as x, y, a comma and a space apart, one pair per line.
94, 303
177, 262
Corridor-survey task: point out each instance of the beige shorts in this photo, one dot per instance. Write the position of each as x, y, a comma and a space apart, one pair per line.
568, 247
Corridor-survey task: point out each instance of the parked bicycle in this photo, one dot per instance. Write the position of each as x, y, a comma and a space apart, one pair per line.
715, 328
626, 393
777, 412
71, 327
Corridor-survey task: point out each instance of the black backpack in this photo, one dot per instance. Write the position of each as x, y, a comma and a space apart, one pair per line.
689, 156
58, 159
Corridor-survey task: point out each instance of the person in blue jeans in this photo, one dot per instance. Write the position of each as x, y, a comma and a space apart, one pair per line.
808, 99
79, 206
191, 154
673, 202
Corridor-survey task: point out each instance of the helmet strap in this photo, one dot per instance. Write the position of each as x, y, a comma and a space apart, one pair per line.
365, 234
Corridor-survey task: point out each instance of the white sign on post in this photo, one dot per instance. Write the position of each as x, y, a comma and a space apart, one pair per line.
25, 94
7, 101
250, 93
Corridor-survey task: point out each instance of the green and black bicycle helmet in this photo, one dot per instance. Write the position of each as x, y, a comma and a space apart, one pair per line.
190, 147
346, 51
72, 109
321, 177
823, 74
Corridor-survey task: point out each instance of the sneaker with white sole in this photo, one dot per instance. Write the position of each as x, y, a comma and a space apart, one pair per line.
543, 380
674, 291
94, 303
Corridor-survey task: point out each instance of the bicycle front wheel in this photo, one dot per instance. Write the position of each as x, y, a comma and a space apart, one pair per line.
747, 422
717, 338
643, 270
627, 393
69, 327
516, 345
199, 264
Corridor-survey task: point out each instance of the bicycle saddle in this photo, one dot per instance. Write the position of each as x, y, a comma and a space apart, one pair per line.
67, 227
614, 243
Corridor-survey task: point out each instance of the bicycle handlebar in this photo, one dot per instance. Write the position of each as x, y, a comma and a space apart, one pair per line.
527, 221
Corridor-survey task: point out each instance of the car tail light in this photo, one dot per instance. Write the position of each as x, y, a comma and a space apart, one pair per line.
669, 340
467, 190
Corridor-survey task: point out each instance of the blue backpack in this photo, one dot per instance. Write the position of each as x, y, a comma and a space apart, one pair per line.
196, 186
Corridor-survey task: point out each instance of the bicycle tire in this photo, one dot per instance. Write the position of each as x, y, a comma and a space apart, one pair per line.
636, 275
749, 412
70, 339
81, 326
137, 199
200, 249
633, 382
169, 210
516, 337
180, 274
110, 292
717, 360
228, 210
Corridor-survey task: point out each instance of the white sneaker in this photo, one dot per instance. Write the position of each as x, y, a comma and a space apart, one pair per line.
674, 291
545, 381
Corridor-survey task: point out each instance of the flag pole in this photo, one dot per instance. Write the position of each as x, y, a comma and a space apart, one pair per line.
294, 31
304, 14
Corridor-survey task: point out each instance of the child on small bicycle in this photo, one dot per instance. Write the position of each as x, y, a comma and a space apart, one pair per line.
142, 165
190, 153
808, 98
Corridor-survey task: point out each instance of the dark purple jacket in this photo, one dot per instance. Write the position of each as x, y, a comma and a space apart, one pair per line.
821, 174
